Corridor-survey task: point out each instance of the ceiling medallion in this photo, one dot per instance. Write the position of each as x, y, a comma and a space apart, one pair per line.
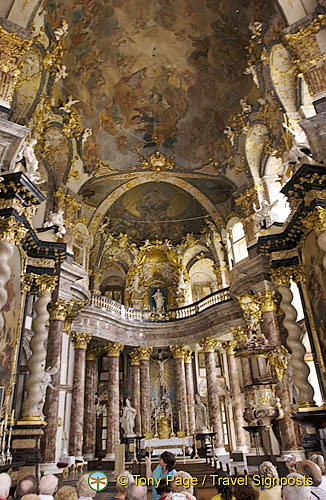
158, 162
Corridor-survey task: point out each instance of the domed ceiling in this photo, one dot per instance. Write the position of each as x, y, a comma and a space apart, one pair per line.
161, 75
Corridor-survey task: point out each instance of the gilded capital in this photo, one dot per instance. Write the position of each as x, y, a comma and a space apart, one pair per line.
188, 356
114, 349
229, 347
240, 333
208, 344
92, 353
81, 339
74, 307
145, 352
46, 284
179, 351
11, 230
268, 301
58, 309
315, 221
283, 275
27, 282
134, 358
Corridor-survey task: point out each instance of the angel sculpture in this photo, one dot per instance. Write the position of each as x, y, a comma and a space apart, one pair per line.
56, 219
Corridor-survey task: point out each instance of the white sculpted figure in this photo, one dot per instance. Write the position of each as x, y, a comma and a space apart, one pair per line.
159, 301
44, 384
246, 108
61, 30
255, 27
200, 415
31, 162
264, 216
128, 419
251, 70
67, 105
86, 134
56, 219
160, 363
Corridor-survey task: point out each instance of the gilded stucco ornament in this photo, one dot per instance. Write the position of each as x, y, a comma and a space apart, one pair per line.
315, 221
268, 301
229, 347
158, 162
145, 353
134, 358
282, 275
208, 344
93, 353
11, 230
179, 351
278, 358
114, 349
74, 307
250, 305
46, 284
58, 309
188, 356
81, 339
240, 333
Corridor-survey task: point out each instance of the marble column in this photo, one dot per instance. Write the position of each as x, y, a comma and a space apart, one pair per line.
58, 311
179, 352
89, 404
190, 391
77, 403
208, 345
113, 420
145, 388
32, 410
135, 398
281, 277
236, 396
268, 301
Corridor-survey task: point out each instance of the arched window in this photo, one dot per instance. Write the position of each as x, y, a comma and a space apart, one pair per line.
236, 244
81, 245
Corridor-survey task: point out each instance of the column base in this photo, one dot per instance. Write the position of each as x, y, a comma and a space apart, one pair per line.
110, 457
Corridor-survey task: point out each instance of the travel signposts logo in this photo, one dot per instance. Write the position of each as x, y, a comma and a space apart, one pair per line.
98, 481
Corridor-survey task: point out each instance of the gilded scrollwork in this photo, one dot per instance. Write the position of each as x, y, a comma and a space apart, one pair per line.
208, 344
81, 340
114, 349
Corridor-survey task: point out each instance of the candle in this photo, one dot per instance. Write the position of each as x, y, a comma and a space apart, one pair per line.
180, 427
12, 417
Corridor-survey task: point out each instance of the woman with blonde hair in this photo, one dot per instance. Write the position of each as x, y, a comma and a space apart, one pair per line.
270, 482
66, 493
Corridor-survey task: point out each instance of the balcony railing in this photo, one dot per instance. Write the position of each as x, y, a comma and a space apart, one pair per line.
171, 315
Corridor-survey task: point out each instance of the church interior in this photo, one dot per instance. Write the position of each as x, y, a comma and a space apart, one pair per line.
162, 232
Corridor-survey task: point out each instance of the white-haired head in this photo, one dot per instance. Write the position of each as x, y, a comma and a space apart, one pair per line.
48, 485
295, 489
122, 488
5, 483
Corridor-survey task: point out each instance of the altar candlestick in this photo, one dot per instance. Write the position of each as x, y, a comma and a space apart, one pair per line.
1, 434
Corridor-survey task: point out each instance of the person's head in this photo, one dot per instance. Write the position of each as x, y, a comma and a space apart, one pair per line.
295, 489
26, 486
163, 488
136, 492
244, 489
122, 488
66, 493
269, 473
48, 485
167, 460
182, 482
83, 488
319, 460
5, 484
308, 468
31, 496
223, 485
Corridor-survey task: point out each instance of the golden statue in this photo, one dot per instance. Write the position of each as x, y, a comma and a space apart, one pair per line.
164, 429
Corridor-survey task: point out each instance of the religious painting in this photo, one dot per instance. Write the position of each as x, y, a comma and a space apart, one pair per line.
162, 376
158, 298
10, 312
316, 287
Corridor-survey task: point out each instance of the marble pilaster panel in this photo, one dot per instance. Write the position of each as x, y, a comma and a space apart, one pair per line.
145, 395
113, 349
89, 404
180, 375
135, 398
190, 392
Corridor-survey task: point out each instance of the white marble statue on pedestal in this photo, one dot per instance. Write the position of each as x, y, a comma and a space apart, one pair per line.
159, 300
56, 219
200, 415
44, 384
128, 419
31, 162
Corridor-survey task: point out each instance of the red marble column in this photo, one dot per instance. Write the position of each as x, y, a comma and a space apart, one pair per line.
190, 392
236, 397
135, 398
89, 404
179, 352
208, 346
77, 403
57, 311
272, 333
113, 349
145, 395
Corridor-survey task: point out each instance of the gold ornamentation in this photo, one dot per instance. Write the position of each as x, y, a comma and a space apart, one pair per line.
188, 356
58, 309
229, 347
134, 358
279, 359
158, 162
208, 344
114, 349
12, 230
145, 353
68, 204
179, 351
97, 279
247, 199
268, 301
240, 333
92, 353
250, 304
46, 284
81, 339
282, 275
27, 281
316, 221
74, 307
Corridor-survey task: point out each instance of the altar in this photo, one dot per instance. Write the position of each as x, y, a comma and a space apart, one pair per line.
174, 445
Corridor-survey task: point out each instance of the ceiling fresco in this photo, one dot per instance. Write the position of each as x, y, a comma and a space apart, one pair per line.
162, 75
156, 211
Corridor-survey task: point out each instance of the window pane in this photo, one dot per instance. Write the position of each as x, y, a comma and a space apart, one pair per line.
237, 232
240, 250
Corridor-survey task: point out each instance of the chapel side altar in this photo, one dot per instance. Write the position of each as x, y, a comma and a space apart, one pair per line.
174, 445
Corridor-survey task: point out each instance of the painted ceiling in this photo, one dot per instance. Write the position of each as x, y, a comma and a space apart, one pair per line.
161, 75
156, 211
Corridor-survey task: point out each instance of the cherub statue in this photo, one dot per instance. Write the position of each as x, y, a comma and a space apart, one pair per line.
61, 30
251, 70
246, 108
61, 73
264, 217
44, 384
56, 219
31, 162
86, 134
230, 134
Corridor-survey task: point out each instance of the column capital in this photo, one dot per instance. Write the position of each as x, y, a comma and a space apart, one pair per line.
315, 221
11, 230
134, 358
240, 333
179, 351
74, 306
268, 301
114, 349
58, 309
282, 276
145, 352
81, 339
188, 356
229, 347
92, 353
46, 284
208, 344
